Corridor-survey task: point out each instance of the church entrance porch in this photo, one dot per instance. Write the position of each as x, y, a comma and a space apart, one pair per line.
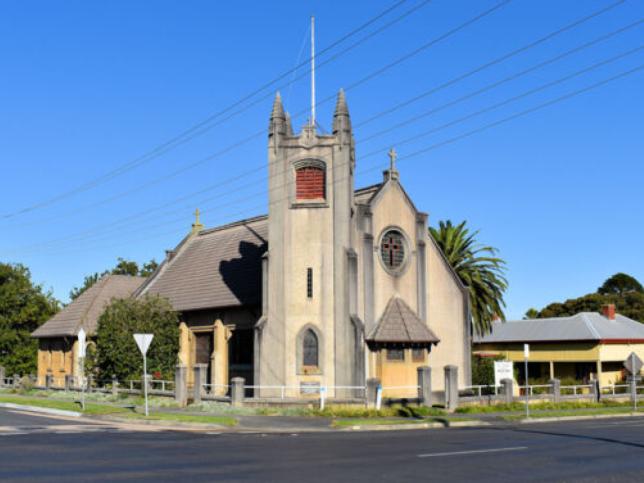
397, 370
224, 351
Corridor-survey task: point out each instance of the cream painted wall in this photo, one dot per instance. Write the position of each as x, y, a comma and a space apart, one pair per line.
391, 210
446, 313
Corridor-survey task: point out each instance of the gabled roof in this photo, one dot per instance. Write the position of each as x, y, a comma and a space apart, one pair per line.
88, 307
218, 267
584, 326
399, 326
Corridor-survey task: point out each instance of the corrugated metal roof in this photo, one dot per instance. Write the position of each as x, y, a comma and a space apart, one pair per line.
88, 307
399, 325
219, 267
582, 326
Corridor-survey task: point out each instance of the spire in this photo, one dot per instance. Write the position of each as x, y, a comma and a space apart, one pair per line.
278, 109
341, 119
392, 172
197, 226
341, 107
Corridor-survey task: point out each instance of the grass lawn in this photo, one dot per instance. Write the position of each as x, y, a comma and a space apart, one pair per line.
94, 409
90, 408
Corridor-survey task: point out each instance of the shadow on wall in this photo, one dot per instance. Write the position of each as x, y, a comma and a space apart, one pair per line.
243, 275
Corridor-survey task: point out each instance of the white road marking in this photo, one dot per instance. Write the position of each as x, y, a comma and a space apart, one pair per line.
474, 451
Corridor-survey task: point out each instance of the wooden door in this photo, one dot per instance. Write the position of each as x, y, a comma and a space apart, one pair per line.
203, 350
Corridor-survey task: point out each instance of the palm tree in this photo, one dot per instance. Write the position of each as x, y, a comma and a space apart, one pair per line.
478, 268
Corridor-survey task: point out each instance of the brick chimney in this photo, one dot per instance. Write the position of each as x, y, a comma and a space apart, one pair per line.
609, 311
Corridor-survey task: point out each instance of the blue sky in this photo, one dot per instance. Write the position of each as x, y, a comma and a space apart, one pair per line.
88, 87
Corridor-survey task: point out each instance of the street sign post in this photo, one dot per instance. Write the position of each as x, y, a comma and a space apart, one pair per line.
143, 342
526, 355
82, 341
633, 365
502, 370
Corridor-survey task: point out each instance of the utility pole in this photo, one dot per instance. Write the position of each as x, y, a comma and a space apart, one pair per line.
526, 355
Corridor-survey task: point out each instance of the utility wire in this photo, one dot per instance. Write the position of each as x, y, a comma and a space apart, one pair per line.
354, 85
501, 121
444, 126
186, 135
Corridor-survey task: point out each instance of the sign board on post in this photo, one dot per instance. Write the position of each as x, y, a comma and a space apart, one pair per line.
502, 370
82, 340
82, 343
526, 351
143, 341
633, 364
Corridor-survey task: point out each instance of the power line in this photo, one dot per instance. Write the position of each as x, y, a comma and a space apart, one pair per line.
512, 99
90, 232
170, 144
507, 119
354, 85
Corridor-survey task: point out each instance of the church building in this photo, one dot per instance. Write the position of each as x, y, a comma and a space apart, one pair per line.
334, 286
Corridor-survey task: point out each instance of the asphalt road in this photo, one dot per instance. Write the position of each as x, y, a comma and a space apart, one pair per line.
595, 450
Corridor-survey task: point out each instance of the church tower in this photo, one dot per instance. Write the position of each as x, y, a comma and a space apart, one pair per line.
306, 337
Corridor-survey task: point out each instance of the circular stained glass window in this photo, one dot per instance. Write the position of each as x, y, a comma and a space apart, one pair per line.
392, 249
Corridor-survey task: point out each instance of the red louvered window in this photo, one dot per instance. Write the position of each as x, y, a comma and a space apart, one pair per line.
310, 183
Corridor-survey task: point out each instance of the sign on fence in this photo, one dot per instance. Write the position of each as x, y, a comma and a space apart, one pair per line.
502, 370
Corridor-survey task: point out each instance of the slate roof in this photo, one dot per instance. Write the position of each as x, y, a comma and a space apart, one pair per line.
88, 307
584, 326
365, 195
219, 267
400, 326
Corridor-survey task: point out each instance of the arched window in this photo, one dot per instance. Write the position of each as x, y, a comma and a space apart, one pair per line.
310, 349
310, 183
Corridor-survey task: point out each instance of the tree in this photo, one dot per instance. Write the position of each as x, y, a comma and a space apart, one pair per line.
620, 284
123, 267
478, 268
630, 304
116, 350
531, 313
24, 306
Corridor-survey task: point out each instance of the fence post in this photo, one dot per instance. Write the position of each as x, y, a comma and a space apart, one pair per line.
90, 383
180, 385
556, 390
451, 387
372, 391
115, 385
237, 391
200, 379
594, 390
16, 380
425, 386
69, 379
507, 390
49, 381
2, 375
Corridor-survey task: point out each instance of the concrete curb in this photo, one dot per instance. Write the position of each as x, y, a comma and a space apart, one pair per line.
577, 418
167, 425
405, 426
37, 409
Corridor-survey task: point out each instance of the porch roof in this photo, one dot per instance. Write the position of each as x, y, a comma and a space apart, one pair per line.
400, 327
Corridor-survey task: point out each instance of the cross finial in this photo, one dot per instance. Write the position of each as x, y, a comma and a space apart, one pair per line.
392, 159
197, 226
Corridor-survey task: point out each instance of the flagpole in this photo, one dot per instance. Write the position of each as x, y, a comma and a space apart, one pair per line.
313, 71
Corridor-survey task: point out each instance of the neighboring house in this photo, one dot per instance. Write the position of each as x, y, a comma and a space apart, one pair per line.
584, 346
332, 287
58, 337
